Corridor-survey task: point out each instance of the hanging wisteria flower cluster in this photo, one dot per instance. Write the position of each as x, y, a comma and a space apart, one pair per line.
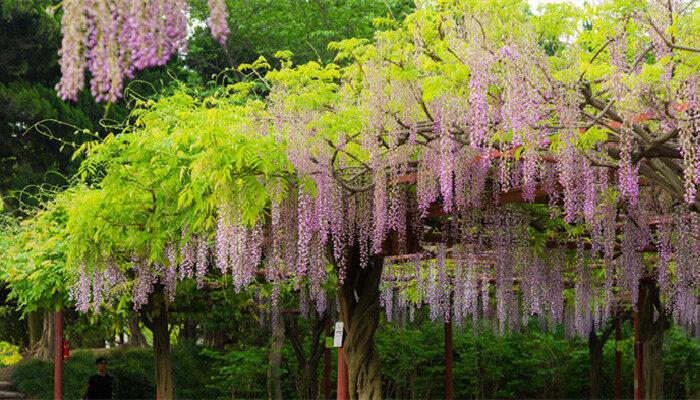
112, 39
494, 276
380, 152
103, 285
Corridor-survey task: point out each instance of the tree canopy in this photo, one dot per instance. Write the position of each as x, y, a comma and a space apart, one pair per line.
410, 145
465, 99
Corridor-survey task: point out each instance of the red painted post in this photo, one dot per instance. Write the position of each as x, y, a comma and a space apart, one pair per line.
342, 388
618, 358
449, 384
327, 362
58, 355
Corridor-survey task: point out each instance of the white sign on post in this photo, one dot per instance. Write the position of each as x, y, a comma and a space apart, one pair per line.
338, 336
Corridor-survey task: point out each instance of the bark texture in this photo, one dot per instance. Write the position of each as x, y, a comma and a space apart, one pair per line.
156, 317
43, 349
653, 323
358, 295
274, 371
214, 339
136, 337
595, 358
188, 332
34, 327
307, 375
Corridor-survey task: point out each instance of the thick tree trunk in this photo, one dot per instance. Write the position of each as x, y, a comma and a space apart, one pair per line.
317, 350
653, 323
653, 368
44, 347
274, 371
214, 339
307, 377
165, 384
34, 327
136, 337
595, 359
359, 311
189, 331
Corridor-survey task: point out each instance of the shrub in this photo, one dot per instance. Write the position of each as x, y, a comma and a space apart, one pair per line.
9, 354
240, 373
34, 378
132, 368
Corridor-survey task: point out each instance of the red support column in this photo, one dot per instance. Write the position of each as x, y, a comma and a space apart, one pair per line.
327, 362
58, 355
342, 388
449, 384
618, 358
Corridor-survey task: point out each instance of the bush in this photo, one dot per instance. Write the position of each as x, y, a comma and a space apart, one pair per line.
9, 354
240, 374
132, 368
531, 364
193, 372
34, 378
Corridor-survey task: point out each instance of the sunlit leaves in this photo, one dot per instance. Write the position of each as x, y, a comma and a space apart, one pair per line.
33, 256
171, 172
349, 50
588, 139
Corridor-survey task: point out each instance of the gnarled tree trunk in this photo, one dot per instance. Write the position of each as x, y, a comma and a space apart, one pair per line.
653, 323
158, 324
188, 333
595, 358
274, 371
34, 327
214, 339
359, 310
307, 376
43, 349
136, 337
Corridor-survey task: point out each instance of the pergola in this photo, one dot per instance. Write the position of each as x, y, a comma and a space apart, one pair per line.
394, 253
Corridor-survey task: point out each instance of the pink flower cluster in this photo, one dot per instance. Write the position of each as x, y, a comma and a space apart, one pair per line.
112, 39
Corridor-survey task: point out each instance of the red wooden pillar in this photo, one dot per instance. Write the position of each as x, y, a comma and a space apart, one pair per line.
327, 363
449, 384
618, 358
342, 388
58, 355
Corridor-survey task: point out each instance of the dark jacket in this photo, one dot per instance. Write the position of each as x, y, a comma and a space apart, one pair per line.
99, 387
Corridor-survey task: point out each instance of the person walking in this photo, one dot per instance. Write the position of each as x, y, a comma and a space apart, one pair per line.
100, 384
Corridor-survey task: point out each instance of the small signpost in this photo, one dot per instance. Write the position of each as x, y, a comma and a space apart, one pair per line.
338, 335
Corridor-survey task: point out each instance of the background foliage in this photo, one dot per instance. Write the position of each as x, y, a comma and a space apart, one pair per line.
532, 364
